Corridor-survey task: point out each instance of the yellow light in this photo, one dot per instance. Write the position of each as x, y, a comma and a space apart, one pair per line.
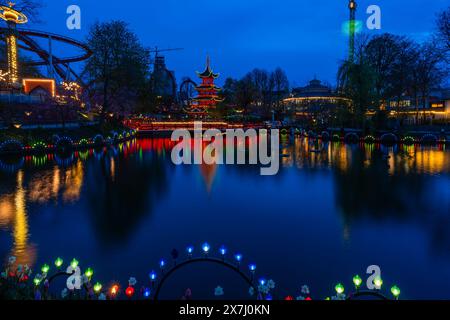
378, 282
28, 82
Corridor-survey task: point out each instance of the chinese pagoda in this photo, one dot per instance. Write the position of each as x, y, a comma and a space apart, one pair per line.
207, 97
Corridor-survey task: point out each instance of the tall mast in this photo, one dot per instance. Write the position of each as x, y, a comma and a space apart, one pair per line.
352, 30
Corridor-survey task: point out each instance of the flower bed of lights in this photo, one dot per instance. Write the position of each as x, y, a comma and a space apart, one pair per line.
18, 282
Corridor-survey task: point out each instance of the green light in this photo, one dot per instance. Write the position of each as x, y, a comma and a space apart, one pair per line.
74, 263
45, 268
357, 281
37, 281
378, 282
395, 291
89, 273
349, 26
58, 262
97, 287
339, 288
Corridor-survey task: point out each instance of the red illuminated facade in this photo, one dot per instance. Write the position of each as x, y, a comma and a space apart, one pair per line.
207, 97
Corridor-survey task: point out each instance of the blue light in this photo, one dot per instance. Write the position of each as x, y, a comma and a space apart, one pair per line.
223, 250
252, 267
269, 297
190, 250
153, 275
147, 292
206, 247
238, 257
162, 263
262, 282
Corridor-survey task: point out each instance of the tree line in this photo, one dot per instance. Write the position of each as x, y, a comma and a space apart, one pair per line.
387, 68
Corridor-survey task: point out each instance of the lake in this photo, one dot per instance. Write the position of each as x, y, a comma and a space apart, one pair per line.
325, 217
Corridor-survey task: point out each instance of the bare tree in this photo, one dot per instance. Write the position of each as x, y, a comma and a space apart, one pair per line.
443, 24
281, 85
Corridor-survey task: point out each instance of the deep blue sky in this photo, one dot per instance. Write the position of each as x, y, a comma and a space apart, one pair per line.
302, 37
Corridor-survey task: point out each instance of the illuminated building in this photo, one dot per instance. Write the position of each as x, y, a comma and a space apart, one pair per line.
313, 98
207, 97
434, 107
13, 18
33, 86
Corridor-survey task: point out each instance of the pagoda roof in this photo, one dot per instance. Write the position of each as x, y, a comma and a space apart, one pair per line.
208, 86
208, 73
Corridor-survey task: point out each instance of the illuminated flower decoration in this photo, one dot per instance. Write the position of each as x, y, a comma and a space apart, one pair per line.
132, 281
102, 297
251, 291
64, 293
305, 290
339, 296
84, 279
4, 275
12, 260
263, 288
27, 270
271, 284
218, 291
300, 298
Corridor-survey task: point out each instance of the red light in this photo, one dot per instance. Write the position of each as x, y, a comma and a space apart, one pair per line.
289, 298
129, 292
308, 298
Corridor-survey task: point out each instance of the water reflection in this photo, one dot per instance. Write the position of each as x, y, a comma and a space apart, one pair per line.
118, 190
13, 213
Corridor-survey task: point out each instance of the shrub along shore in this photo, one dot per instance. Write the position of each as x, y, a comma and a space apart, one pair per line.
29, 141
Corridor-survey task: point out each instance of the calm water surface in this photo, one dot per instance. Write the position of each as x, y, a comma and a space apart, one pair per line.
325, 217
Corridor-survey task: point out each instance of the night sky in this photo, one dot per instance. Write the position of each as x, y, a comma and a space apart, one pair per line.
303, 37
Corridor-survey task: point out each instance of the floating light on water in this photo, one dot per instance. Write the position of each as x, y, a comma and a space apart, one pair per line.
97, 287
152, 275
89, 273
58, 262
357, 281
206, 247
74, 263
45, 268
339, 288
378, 282
395, 291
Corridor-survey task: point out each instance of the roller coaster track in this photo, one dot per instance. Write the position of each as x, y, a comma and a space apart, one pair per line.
26, 36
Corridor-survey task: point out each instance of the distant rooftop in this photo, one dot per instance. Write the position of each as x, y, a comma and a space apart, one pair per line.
315, 88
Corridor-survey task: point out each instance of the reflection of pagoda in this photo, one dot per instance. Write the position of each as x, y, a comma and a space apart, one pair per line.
207, 93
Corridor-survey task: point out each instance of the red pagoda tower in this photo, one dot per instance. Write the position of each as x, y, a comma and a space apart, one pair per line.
207, 97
